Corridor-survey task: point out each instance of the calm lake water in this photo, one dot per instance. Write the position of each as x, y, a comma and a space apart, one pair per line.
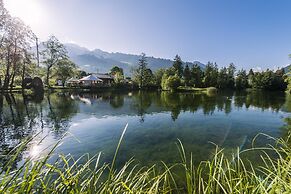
94, 122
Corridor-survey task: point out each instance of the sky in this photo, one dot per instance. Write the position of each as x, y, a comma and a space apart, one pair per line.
249, 33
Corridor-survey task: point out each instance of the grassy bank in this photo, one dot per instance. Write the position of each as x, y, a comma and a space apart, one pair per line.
221, 174
209, 90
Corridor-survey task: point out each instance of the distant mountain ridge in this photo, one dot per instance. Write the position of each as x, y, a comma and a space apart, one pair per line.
287, 68
101, 61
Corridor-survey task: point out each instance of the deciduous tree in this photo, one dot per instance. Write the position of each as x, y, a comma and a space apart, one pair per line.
53, 53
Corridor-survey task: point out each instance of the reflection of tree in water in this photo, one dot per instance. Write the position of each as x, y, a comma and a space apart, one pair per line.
286, 130
22, 116
179, 102
287, 105
17, 118
141, 101
265, 100
116, 100
61, 108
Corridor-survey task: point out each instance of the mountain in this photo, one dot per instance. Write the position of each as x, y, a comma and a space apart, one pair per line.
102, 61
287, 68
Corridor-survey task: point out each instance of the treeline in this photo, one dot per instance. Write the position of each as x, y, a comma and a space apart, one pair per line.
181, 76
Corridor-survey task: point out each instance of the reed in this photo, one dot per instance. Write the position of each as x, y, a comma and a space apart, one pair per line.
220, 174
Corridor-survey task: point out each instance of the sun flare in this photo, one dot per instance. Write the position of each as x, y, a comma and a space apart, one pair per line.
29, 11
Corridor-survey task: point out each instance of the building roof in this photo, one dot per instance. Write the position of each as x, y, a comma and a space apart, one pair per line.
72, 80
90, 78
103, 76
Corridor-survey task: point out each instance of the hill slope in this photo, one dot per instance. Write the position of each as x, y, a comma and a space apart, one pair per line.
101, 61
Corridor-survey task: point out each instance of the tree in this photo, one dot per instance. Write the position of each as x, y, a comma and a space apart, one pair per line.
230, 79
116, 69
269, 80
170, 82
53, 53
158, 75
178, 66
211, 74
196, 76
117, 72
250, 77
222, 79
142, 75
173, 82
81, 73
65, 69
187, 75
241, 81
15, 39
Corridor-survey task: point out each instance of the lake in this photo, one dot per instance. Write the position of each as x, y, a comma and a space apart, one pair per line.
93, 122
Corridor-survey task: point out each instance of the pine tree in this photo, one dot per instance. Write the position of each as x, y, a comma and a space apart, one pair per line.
142, 75
196, 76
187, 75
178, 66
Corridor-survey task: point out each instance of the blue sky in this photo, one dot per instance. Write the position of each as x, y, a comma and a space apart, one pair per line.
249, 33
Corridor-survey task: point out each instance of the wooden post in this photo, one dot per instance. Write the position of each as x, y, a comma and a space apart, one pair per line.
37, 51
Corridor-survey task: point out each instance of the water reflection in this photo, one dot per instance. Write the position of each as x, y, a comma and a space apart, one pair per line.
22, 116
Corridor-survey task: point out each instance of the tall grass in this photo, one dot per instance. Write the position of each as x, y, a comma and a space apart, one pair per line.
220, 174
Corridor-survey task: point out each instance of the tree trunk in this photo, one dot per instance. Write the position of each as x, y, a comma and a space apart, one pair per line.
7, 76
14, 65
37, 51
1, 108
7, 73
48, 76
12, 80
23, 75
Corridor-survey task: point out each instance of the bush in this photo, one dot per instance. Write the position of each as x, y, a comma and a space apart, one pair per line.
171, 82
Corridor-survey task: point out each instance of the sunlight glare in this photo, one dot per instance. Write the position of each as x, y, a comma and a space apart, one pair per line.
29, 11
34, 151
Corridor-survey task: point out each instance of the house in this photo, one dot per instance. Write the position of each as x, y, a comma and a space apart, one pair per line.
90, 80
106, 78
72, 82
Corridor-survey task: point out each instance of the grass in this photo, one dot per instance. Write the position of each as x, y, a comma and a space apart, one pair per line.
221, 174
189, 88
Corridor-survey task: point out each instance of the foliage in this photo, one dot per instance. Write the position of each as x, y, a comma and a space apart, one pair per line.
222, 79
230, 73
241, 81
53, 53
178, 66
268, 80
118, 74
15, 39
158, 75
288, 80
210, 75
171, 82
65, 69
187, 75
196, 76
81, 73
141, 74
